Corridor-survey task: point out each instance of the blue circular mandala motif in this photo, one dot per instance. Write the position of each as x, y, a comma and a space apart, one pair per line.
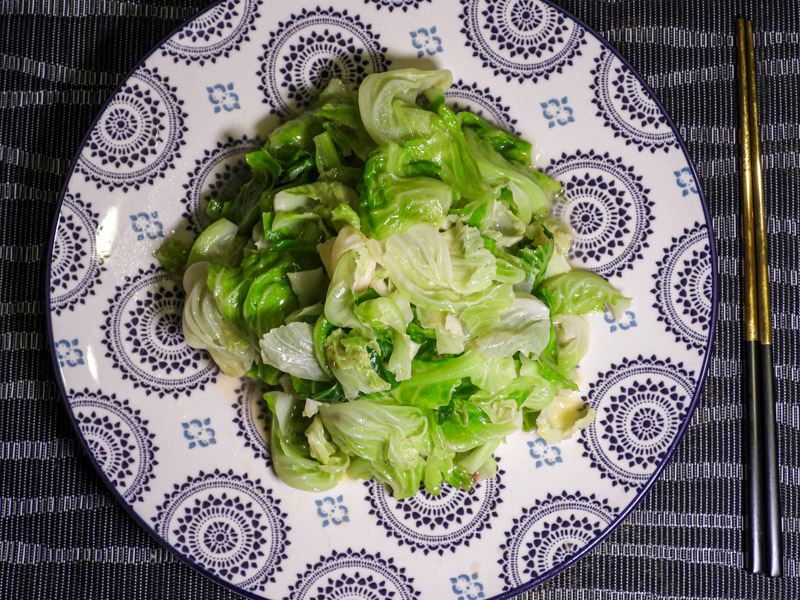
550, 532
253, 419
219, 172
138, 136
521, 39
143, 337
608, 208
310, 49
215, 33
436, 523
472, 97
118, 439
76, 264
640, 406
392, 5
229, 525
353, 575
684, 287
627, 107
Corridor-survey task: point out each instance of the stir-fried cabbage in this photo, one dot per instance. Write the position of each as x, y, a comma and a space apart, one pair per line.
391, 263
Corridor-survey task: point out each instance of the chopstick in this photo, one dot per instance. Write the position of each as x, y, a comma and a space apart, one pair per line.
757, 521
767, 374
763, 485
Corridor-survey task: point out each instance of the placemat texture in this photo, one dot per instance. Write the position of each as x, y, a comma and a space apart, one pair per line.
62, 535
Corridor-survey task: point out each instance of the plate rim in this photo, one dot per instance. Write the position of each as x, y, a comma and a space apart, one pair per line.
556, 569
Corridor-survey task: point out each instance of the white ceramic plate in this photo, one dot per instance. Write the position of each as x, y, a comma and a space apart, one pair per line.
183, 446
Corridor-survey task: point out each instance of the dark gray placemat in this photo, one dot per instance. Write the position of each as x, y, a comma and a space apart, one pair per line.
61, 533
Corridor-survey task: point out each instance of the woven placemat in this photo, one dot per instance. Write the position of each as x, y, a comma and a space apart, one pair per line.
62, 535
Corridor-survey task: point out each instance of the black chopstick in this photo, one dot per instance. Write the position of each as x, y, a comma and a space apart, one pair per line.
755, 462
764, 527
767, 374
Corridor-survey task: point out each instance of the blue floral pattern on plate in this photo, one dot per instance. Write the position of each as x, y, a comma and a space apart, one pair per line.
683, 286
214, 34
311, 48
550, 531
557, 111
467, 587
199, 433
392, 5
222, 97
332, 510
608, 207
187, 448
521, 39
147, 226
253, 420
68, 353
144, 339
686, 182
139, 134
76, 263
625, 322
219, 171
436, 523
229, 523
544, 454
119, 440
480, 100
640, 405
353, 574
426, 41
628, 108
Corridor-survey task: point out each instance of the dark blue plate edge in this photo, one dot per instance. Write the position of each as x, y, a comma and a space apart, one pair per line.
504, 595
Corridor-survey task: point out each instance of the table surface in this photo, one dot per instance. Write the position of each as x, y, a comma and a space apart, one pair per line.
62, 535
